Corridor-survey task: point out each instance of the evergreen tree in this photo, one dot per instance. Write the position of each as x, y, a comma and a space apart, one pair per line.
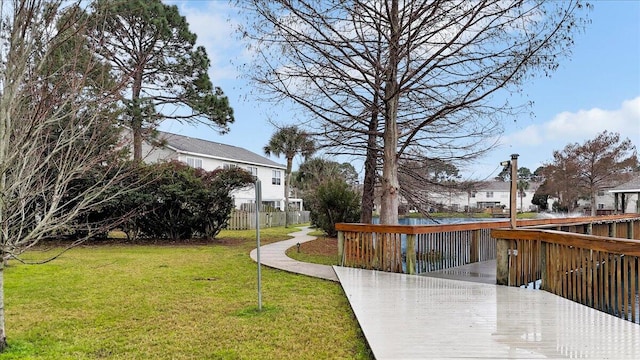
150, 48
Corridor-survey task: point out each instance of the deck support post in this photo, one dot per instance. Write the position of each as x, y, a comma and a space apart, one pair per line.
502, 262
544, 275
341, 248
612, 229
474, 255
411, 254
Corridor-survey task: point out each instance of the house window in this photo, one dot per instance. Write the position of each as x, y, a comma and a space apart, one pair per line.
600, 193
600, 206
194, 162
489, 194
276, 177
229, 166
253, 170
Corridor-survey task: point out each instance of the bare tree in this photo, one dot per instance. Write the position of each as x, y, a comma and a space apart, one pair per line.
56, 128
424, 183
385, 79
603, 161
561, 180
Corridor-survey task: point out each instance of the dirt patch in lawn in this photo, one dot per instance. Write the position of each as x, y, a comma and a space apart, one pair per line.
325, 246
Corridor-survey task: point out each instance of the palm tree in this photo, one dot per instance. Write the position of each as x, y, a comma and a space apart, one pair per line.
289, 141
523, 186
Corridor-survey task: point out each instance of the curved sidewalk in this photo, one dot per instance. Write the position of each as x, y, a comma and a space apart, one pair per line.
273, 255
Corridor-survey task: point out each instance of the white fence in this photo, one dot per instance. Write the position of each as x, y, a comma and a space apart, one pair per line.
244, 220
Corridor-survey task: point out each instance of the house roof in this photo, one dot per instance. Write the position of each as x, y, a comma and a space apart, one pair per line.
631, 186
503, 186
210, 149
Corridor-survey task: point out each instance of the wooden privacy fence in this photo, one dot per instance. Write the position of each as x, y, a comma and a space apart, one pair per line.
597, 271
416, 249
244, 220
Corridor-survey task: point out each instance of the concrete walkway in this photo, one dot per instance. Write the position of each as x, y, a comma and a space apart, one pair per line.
273, 255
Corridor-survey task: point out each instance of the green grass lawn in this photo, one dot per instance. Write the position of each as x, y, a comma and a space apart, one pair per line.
174, 302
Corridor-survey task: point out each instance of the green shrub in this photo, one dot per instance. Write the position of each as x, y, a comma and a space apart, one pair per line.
174, 201
333, 202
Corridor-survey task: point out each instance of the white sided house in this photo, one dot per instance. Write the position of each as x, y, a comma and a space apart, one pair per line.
208, 155
488, 195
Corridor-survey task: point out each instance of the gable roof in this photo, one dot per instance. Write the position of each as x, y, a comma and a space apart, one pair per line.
504, 186
632, 185
205, 148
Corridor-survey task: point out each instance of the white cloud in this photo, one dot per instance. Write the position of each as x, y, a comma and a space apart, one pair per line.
586, 124
570, 127
529, 136
215, 26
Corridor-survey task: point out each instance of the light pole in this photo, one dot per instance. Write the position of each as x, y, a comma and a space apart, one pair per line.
513, 164
258, 187
513, 213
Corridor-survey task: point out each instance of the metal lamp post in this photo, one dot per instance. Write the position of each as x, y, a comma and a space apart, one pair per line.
258, 187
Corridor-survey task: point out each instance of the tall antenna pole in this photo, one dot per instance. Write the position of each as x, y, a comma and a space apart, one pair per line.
258, 203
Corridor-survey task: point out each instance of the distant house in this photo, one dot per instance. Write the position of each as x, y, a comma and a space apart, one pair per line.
627, 196
614, 197
490, 194
209, 155
605, 202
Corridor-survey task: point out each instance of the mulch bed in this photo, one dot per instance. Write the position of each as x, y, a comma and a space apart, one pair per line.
321, 246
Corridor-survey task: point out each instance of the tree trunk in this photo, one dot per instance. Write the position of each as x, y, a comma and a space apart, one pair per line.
593, 203
390, 184
136, 116
137, 140
370, 164
521, 205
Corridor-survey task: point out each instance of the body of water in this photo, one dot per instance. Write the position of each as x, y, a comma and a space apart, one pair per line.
427, 221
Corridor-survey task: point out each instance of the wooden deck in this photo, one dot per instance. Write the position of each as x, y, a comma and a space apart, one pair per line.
480, 272
420, 317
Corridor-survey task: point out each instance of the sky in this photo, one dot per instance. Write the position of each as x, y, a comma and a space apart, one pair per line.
596, 88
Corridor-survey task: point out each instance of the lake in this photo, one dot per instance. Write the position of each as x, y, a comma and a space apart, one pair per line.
427, 221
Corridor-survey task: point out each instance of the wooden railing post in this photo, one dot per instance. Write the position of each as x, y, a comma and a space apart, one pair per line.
544, 276
502, 262
612, 229
341, 248
411, 254
474, 255
630, 229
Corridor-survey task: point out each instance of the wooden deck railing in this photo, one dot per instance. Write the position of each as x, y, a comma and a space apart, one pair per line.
598, 271
415, 249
